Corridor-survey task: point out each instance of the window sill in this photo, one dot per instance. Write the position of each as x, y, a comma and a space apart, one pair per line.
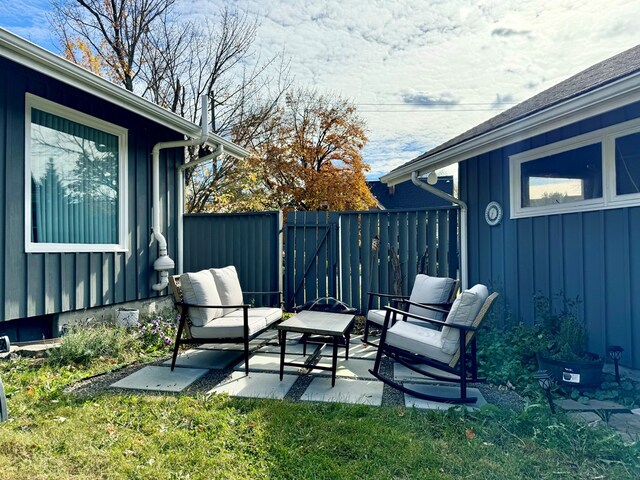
74, 248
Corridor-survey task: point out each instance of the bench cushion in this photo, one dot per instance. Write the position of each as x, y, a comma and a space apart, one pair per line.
199, 288
464, 311
232, 325
228, 286
417, 339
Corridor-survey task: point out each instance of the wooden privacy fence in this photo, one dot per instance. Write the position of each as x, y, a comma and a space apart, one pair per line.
325, 253
334, 253
249, 241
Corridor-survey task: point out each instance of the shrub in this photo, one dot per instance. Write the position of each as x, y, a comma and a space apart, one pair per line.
90, 340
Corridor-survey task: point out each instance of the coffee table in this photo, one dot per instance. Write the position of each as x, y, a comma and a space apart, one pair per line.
336, 326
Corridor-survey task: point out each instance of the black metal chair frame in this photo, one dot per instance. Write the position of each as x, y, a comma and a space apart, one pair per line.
410, 359
184, 318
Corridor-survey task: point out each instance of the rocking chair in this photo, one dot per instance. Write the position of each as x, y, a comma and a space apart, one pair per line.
411, 344
429, 291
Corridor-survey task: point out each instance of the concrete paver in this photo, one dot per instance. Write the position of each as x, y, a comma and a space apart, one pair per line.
255, 385
346, 390
161, 379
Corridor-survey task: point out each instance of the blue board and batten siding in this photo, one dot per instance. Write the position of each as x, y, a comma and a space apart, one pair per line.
593, 256
36, 284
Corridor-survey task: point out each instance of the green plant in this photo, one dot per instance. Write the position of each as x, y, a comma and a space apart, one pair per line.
157, 331
564, 335
87, 341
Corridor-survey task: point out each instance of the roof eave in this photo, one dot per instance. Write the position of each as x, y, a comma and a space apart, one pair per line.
37, 58
608, 97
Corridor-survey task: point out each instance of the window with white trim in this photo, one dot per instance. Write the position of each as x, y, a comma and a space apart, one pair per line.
75, 180
594, 171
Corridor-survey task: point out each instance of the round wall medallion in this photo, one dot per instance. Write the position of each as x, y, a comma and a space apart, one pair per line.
493, 213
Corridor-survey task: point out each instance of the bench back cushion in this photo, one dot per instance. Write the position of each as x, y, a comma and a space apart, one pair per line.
199, 288
428, 289
464, 310
228, 286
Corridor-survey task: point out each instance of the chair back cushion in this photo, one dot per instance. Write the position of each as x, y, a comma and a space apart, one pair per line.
428, 289
228, 286
199, 288
464, 310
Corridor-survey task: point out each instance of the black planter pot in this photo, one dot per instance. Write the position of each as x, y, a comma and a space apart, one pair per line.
577, 373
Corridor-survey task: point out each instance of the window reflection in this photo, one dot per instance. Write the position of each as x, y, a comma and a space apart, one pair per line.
566, 177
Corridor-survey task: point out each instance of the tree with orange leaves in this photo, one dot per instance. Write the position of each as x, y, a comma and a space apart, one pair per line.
313, 160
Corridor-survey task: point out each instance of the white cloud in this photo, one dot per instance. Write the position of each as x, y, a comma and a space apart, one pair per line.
478, 54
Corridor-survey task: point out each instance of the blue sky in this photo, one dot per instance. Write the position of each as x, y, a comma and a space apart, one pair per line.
420, 71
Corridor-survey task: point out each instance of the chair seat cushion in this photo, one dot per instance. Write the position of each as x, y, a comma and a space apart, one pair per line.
232, 325
199, 288
270, 314
416, 339
376, 316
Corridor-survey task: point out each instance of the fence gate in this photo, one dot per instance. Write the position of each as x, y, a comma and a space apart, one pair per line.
311, 256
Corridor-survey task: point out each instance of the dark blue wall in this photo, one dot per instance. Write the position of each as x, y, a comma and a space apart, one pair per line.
43, 283
594, 256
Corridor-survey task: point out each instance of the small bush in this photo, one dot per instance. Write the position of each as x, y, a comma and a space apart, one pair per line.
88, 341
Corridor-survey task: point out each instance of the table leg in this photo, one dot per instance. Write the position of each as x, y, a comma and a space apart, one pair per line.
347, 338
334, 366
282, 348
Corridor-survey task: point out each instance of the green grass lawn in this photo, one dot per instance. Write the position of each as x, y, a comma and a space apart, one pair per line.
52, 434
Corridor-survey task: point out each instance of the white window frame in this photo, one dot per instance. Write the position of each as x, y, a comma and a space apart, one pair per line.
606, 138
33, 101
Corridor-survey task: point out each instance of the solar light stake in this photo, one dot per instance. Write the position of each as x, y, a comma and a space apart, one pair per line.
615, 353
544, 379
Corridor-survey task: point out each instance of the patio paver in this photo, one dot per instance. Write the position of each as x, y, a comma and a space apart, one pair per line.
161, 379
441, 390
271, 362
346, 391
255, 385
207, 358
352, 368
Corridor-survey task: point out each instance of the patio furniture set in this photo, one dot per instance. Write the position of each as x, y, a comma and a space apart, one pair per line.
431, 332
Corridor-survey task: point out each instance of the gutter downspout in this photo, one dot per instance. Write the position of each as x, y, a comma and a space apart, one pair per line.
215, 154
464, 273
164, 263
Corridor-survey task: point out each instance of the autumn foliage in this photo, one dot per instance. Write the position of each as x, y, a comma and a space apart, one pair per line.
313, 160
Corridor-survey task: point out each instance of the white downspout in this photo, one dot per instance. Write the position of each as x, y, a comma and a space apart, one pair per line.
464, 273
164, 263
215, 154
